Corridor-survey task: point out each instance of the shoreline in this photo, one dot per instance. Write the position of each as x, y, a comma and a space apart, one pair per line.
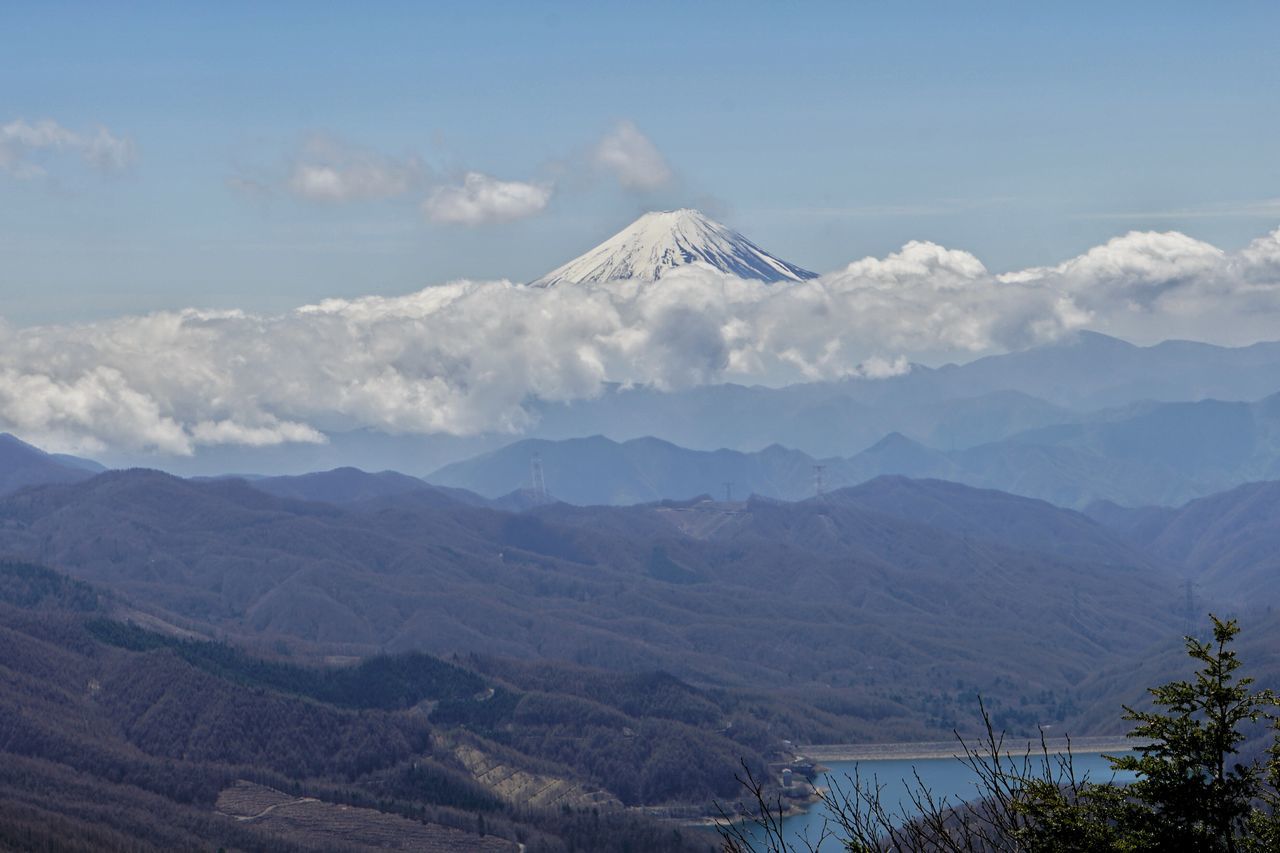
1015, 748
925, 750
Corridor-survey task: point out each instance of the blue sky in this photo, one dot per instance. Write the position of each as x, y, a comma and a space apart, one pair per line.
824, 131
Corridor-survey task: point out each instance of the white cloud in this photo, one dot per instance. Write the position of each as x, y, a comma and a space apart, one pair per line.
1152, 286
1258, 264
24, 145
481, 199
95, 403
1139, 267
107, 152
329, 171
468, 356
271, 432
632, 158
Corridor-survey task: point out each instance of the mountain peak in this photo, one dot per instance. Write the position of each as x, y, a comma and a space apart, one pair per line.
660, 241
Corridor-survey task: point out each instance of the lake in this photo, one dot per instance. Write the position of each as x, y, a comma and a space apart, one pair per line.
944, 776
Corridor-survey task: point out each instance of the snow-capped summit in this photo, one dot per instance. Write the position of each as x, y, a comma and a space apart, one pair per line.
658, 242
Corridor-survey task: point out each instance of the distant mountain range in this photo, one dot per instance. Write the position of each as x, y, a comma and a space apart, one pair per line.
1227, 543
949, 408
351, 485
1152, 453
596, 470
662, 601
1135, 455
1141, 454
872, 612
874, 591
21, 464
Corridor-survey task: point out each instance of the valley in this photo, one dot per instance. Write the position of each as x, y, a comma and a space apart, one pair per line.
445, 668
599, 428
465, 661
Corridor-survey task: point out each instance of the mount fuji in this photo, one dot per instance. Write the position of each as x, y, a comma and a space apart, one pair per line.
658, 242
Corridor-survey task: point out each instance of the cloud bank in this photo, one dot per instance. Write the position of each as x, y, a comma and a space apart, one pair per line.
25, 145
468, 356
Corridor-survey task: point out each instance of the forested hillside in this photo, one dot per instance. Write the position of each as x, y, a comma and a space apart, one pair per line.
872, 615
1227, 544
117, 737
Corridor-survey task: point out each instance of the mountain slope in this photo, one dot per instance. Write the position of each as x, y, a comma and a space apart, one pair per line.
351, 485
600, 471
1090, 370
596, 470
995, 516
1228, 543
119, 738
21, 465
870, 609
659, 242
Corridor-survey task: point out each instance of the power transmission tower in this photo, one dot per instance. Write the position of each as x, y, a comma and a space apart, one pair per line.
539, 480
819, 483
728, 492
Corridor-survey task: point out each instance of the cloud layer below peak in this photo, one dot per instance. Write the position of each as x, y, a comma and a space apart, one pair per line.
467, 357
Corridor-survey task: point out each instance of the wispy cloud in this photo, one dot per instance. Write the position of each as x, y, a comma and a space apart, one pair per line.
327, 170
935, 207
25, 145
1267, 208
482, 199
632, 158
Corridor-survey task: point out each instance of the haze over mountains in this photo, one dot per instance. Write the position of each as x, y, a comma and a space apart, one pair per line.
452, 429
859, 591
1228, 543
871, 590
1147, 453
697, 574
607, 656
21, 464
950, 408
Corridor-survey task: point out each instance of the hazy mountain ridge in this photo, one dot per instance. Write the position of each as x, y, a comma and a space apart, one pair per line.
597, 470
1228, 543
351, 485
952, 407
1150, 453
868, 613
798, 594
22, 464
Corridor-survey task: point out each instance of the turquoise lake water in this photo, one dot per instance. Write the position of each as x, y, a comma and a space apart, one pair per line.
944, 776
